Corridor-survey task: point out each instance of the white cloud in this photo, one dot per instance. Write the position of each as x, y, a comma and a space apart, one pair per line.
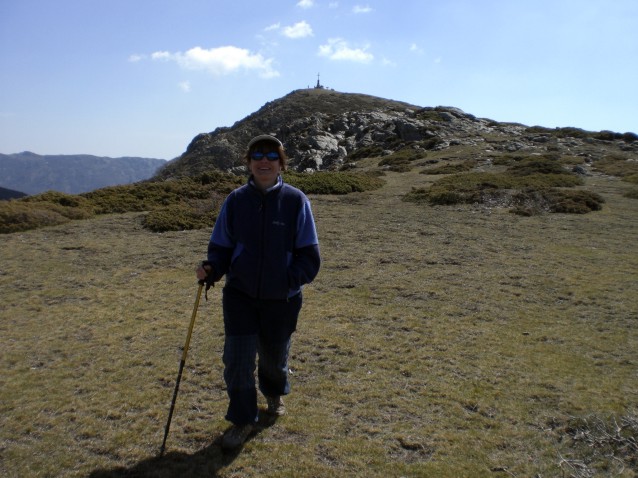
185, 86
361, 9
274, 26
338, 49
415, 48
388, 62
306, 3
219, 61
298, 30
162, 55
135, 58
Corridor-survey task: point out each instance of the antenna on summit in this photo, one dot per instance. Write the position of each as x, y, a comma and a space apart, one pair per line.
318, 86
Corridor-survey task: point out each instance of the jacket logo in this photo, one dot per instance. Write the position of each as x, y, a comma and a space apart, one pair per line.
278, 223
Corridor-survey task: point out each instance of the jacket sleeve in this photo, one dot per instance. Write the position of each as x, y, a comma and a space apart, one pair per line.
305, 266
306, 259
221, 244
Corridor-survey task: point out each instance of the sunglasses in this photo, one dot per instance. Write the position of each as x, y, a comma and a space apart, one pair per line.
272, 156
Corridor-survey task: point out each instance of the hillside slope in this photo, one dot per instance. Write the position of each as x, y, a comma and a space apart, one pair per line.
328, 130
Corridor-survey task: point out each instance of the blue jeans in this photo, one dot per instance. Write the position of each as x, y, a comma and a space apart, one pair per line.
256, 328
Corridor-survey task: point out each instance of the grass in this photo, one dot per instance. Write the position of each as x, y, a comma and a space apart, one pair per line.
436, 341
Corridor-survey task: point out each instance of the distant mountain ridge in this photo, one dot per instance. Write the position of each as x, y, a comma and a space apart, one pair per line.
32, 173
6, 194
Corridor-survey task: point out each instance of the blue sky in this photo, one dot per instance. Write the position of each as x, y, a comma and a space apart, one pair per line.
143, 77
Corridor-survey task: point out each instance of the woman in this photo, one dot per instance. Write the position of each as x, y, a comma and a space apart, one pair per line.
265, 242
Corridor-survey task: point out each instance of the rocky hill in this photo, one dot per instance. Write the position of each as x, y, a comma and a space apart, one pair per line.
33, 173
326, 130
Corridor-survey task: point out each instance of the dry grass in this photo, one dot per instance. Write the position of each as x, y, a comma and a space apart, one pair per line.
437, 341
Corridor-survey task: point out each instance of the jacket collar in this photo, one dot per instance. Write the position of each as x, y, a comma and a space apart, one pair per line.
277, 185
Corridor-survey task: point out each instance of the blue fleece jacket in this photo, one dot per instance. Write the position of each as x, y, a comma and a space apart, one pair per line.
265, 243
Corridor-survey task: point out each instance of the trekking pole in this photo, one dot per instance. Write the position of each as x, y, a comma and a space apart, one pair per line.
181, 366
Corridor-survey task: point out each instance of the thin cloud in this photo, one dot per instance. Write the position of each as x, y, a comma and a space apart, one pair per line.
388, 62
306, 4
339, 50
361, 9
136, 58
185, 86
414, 48
274, 26
219, 61
298, 30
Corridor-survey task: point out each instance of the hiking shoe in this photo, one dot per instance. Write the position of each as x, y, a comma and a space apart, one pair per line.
276, 406
236, 436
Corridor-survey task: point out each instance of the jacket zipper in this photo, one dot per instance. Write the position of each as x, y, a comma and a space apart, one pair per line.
262, 212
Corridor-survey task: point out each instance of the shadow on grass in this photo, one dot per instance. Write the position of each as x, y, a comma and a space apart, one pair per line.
204, 463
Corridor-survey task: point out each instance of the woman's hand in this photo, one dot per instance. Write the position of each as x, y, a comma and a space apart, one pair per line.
202, 271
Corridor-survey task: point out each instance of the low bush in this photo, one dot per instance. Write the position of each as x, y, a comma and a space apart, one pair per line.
530, 202
176, 204
65, 200
573, 201
184, 216
537, 165
333, 182
371, 151
617, 165
400, 161
632, 194
146, 196
529, 186
431, 115
570, 132
16, 216
452, 168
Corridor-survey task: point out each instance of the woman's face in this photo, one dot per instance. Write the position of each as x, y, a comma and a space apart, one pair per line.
264, 170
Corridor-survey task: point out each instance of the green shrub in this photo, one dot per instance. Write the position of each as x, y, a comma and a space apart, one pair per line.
570, 132
540, 165
61, 199
431, 115
529, 186
607, 135
574, 201
632, 194
452, 168
467, 186
175, 204
630, 137
149, 195
616, 165
333, 182
371, 151
430, 143
632, 178
183, 216
400, 161
18, 215
530, 202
